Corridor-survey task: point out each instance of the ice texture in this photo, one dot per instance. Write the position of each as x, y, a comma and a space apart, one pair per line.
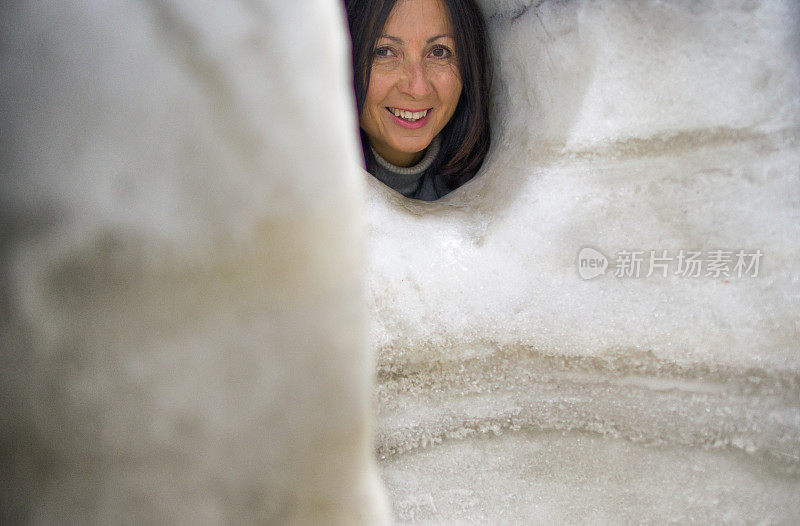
568, 478
183, 323
189, 292
618, 126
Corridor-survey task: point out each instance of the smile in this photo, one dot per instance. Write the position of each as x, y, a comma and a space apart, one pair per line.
410, 118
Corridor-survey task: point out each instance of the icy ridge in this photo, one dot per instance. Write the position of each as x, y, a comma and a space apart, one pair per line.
752, 411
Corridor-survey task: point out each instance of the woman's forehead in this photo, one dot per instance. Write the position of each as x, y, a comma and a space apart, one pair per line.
418, 20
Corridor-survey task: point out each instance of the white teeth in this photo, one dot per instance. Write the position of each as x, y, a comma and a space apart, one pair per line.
409, 115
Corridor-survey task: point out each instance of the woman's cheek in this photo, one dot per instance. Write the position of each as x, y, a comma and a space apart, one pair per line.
446, 76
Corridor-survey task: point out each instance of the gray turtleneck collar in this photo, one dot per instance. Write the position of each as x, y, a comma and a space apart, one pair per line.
405, 180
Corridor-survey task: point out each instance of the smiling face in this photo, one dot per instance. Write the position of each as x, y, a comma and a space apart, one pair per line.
414, 83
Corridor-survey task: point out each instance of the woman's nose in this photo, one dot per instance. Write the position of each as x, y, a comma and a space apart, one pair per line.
414, 81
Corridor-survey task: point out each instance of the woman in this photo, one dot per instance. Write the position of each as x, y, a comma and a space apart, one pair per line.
422, 80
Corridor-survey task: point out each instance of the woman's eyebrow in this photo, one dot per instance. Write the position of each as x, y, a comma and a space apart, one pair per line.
400, 40
437, 37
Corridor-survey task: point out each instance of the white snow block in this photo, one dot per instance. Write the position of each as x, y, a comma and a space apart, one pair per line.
183, 320
654, 129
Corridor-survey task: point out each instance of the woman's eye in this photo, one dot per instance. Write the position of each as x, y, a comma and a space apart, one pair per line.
441, 52
383, 52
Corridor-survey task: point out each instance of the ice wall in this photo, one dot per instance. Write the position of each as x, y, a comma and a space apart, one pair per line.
665, 127
619, 126
183, 321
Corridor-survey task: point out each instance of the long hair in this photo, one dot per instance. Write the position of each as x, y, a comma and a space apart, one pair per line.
466, 137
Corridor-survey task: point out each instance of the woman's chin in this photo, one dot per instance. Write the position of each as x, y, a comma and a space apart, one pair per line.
412, 147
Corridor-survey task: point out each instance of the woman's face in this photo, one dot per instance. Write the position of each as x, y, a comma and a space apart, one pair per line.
414, 84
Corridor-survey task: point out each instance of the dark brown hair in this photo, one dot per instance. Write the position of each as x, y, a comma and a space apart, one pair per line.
465, 139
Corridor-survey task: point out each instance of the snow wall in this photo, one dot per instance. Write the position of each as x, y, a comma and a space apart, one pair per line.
184, 271
184, 325
621, 128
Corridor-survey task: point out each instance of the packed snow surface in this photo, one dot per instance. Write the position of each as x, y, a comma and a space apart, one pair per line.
513, 390
183, 321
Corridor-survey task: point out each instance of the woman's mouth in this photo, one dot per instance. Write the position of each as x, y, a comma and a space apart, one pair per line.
411, 119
